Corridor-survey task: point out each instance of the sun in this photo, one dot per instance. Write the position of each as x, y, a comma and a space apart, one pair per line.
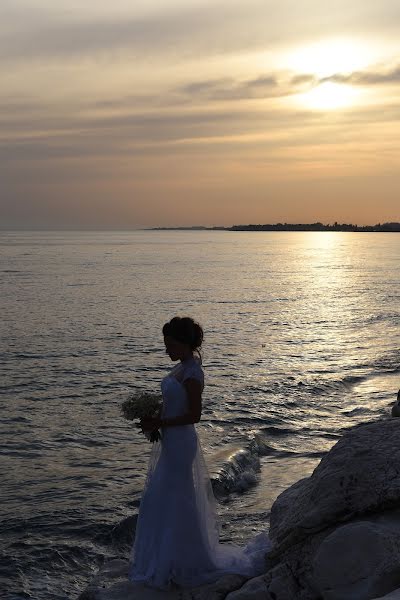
329, 96
321, 62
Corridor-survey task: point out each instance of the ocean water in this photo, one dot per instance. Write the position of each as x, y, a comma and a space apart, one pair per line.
301, 342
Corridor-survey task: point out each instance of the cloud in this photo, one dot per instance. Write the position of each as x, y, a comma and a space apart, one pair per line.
303, 79
271, 85
229, 89
183, 31
165, 134
125, 134
180, 33
367, 77
278, 84
200, 110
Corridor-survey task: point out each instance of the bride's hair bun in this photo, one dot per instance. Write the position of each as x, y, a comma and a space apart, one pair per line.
186, 330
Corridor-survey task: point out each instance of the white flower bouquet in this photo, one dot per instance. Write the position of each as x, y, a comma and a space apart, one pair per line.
141, 405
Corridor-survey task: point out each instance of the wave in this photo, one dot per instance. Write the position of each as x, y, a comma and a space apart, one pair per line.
238, 473
39, 553
313, 385
327, 382
381, 317
388, 362
335, 385
384, 365
241, 471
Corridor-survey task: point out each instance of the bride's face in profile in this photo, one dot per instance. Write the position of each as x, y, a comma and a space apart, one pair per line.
176, 350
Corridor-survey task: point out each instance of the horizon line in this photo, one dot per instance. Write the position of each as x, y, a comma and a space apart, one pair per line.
278, 224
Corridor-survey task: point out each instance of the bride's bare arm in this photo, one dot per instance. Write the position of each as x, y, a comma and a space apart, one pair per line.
193, 390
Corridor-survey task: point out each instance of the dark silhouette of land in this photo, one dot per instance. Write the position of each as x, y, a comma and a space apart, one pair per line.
317, 227
388, 227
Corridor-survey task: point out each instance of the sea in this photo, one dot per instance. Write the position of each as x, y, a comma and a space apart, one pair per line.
301, 342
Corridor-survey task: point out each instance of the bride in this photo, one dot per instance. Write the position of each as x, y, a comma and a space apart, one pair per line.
177, 531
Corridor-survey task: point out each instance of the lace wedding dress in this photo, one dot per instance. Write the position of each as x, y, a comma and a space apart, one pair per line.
177, 531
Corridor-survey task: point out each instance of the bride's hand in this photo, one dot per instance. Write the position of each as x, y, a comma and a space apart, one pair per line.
150, 423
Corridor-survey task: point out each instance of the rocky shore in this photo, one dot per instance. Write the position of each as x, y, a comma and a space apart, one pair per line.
336, 534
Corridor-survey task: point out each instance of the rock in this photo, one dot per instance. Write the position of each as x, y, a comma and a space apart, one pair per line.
359, 475
254, 589
87, 595
123, 533
392, 596
277, 584
357, 482
218, 590
359, 560
111, 583
396, 406
281, 583
396, 409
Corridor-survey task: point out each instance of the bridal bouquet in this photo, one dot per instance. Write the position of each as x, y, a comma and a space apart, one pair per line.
140, 405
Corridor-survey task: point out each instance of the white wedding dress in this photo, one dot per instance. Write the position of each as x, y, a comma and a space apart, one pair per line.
177, 530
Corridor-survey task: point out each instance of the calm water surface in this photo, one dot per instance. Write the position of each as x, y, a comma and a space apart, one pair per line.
301, 342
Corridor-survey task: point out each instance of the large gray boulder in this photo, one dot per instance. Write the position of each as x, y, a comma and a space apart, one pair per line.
358, 476
338, 531
359, 560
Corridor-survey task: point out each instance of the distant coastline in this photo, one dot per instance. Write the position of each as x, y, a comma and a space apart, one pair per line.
380, 227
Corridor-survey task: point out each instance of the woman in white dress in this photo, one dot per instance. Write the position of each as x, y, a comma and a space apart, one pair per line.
177, 531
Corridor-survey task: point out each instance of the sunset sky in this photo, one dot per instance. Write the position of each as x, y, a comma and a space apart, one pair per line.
125, 114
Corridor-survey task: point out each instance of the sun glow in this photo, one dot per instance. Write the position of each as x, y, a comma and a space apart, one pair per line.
326, 58
316, 66
329, 96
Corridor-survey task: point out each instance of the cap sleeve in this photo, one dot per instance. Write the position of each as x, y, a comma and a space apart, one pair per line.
194, 371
